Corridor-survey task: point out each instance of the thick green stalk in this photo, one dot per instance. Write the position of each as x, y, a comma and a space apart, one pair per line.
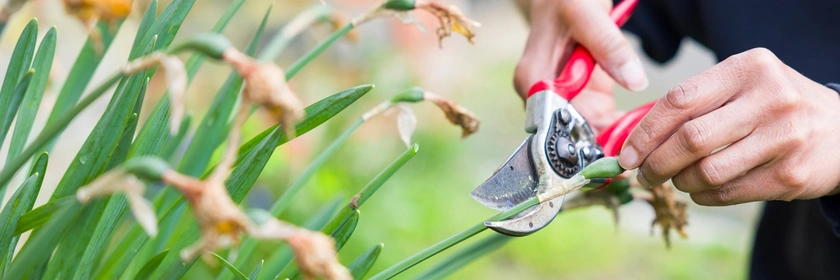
303, 61
451, 241
54, 129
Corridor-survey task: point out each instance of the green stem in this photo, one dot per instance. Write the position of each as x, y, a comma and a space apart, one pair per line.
54, 129
451, 241
281, 204
301, 21
303, 61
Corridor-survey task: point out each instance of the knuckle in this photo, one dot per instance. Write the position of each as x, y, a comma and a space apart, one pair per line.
761, 58
791, 177
654, 170
711, 173
786, 100
694, 136
721, 196
682, 96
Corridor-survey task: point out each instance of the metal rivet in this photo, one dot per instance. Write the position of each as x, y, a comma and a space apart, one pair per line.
571, 149
551, 204
530, 224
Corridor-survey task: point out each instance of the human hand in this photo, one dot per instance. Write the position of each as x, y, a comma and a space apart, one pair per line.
780, 128
556, 24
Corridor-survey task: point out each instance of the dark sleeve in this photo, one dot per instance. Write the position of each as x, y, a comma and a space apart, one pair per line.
831, 204
658, 34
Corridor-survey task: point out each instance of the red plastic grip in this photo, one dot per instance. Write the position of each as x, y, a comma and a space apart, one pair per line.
578, 69
612, 138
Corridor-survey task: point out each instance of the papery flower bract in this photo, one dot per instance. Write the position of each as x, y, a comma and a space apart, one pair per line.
450, 19
92, 10
119, 181
176, 81
456, 114
315, 252
265, 85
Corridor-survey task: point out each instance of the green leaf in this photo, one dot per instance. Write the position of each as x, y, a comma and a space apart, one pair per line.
86, 63
20, 202
316, 114
40, 168
10, 94
465, 256
230, 267
32, 99
39, 216
170, 147
13, 104
29, 262
256, 273
360, 267
150, 266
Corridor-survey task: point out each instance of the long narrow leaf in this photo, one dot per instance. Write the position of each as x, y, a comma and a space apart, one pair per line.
230, 267
39, 216
256, 272
11, 108
39, 168
20, 202
32, 100
19, 64
86, 63
37, 250
360, 267
468, 254
150, 266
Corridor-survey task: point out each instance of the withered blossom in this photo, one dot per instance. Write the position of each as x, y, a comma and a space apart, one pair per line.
265, 85
10, 8
449, 17
456, 114
119, 181
670, 211
176, 81
91, 11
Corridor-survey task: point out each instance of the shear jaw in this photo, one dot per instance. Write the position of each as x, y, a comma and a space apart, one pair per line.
545, 111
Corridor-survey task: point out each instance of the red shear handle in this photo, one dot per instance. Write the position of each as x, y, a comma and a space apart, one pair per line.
612, 138
579, 68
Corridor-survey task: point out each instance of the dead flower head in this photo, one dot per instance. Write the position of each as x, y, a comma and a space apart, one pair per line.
669, 209
176, 81
120, 181
450, 18
265, 85
456, 114
92, 10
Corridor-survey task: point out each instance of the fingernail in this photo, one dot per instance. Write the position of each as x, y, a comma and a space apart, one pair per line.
641, 179
628, 158
633, 75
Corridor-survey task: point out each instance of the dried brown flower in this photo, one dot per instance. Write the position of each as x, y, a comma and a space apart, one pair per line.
91, 11
176, 81
451, 19
316, 255
265, 85
119, 181
456, 114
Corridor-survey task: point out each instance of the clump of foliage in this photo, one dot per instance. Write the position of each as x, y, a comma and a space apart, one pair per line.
85, 231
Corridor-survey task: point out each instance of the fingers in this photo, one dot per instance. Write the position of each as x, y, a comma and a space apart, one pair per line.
747, 188
543, 50
724, 166
690, 99
697, 139
591, 26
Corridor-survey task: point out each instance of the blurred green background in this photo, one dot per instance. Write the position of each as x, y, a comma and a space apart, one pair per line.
428, 200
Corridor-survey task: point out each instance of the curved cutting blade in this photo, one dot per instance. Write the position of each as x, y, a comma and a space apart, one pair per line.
513, 183
530, 220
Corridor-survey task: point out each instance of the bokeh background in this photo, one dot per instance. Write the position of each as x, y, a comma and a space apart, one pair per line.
427, 200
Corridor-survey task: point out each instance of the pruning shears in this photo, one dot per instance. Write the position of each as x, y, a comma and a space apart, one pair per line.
560, 145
